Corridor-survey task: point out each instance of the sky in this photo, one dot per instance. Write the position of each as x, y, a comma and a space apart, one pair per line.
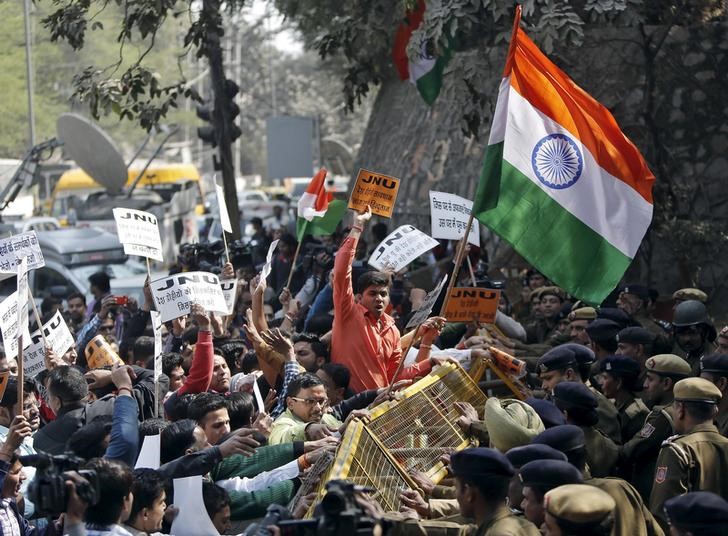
287, 40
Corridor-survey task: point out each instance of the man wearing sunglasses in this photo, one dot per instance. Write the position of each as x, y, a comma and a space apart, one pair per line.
306, 404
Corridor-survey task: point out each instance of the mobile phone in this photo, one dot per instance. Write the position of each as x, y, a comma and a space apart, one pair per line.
121, 300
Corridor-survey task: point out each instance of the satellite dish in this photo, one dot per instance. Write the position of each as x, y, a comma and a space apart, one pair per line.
93, 150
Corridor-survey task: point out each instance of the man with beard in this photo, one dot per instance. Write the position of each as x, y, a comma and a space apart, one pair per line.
578, 321
694, 334
638, 455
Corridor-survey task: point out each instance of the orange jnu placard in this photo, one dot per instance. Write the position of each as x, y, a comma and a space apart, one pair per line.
467, 304
376, 190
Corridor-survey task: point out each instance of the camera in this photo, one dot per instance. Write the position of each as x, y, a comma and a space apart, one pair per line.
338, 513
48, 489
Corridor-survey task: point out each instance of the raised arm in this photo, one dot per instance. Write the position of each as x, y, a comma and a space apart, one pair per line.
343, 290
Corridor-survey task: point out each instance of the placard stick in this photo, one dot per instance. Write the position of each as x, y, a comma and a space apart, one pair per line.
149, 269
458, 263
21, 372
472, 272
224, 241
293, 265
404, 357
37, 319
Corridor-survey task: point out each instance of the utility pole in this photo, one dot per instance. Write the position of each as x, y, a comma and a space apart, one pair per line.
29, 70
223, 115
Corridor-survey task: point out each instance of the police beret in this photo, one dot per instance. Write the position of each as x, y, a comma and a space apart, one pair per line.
668, 365
635, 335
700, 512
557, 358
717, 363
520, 456
696, 390
511, 423
685, 294
584, 355
583, 313
578, 505
574, 394
550, 415
553, 291
481, 462
549, 474
564, 438
641, 291
615, 315
619, 365
602, 329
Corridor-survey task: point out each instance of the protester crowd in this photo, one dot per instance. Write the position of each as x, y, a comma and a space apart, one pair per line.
622, 430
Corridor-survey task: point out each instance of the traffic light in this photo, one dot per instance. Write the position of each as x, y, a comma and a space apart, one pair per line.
231, 90
207, 133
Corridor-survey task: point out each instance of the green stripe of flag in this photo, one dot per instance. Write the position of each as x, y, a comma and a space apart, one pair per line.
324, 225
547, 235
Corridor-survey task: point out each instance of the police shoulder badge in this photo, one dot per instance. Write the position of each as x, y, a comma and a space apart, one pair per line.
647, 430
661, 474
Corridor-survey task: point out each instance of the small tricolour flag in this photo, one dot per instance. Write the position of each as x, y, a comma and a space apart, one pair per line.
318, 212
426, 70
561, 183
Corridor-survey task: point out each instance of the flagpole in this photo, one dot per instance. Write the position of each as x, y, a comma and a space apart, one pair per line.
21, 372
149, 269
458, 262
224, 240
472, 272
295, 256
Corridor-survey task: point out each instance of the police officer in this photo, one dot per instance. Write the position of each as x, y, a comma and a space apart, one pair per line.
482, 477
520, 456
635, 300
576, 510
696, 459
715, 369
538, 478
603, 335
693, 332
699, 513
685, 294
578, 320
579, 405
551, 301
636, 343
637, 457
620, 382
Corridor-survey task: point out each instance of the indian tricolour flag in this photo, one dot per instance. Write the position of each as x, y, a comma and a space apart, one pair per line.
318, 212
561, 183
426, 69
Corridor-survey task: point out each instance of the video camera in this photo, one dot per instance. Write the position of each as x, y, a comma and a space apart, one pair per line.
202, 256
48, 490
338, 513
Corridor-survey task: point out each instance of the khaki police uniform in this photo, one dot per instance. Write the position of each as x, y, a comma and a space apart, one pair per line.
631, 516
501, 523
632, 413
601, 452
608, 418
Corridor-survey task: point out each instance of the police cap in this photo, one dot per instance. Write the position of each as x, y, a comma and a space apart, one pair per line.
481, 463
564, 438
520, 456
619, 365
549, 474
558, 358
641, 291
583, 313
696, 390
668, 365
700, 512
550, 415
553, 291
603, 329
584, 355
574, 394
715, 363
578, 506
685, 294
615, 315
635, 335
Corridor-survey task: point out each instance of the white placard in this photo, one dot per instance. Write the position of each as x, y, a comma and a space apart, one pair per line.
450, 214
149, 454
268, 266
59, 339
137, 227
20, 245
157, 328
229, 290
258, 396
9, 326
222, 206
175, 294
400, 248
144, 251
192, 519
426, 308
22, 278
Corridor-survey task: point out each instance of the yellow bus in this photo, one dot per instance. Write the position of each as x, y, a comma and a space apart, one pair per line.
74, 186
